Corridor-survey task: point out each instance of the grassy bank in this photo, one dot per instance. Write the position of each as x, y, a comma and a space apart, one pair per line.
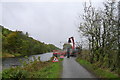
5, 55
100, 73
36, 69
8, 55
51, 71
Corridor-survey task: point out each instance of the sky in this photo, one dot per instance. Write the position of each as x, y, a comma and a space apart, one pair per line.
49, 21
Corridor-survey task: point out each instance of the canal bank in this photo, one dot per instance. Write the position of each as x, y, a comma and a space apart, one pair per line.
9, 62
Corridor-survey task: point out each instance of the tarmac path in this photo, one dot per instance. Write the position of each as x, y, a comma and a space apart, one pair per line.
72, 69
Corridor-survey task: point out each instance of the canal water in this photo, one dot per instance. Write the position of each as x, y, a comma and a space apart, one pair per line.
8, 62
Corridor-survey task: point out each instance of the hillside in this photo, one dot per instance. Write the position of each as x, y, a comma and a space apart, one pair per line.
16, 43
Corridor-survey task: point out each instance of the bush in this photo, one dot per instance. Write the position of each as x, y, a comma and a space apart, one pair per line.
14, 73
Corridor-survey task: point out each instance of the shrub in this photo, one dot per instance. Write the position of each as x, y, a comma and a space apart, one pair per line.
14, 73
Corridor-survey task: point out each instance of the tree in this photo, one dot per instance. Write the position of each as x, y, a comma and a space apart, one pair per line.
14, 42
101, 27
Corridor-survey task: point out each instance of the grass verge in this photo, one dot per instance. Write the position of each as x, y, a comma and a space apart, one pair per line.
53, 70
98, 72
36, 69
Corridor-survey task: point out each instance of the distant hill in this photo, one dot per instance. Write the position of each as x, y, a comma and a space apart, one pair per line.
17, 43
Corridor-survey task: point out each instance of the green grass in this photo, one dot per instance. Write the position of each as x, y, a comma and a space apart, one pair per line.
51, 71
101, 73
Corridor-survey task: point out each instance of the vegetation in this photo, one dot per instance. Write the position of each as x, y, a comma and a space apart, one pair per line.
102, 29
98, 72
36, 69
16, 43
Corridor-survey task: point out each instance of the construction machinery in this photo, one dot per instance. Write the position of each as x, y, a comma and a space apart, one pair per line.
70, 48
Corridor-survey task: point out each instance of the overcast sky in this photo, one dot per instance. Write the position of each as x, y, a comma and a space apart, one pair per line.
50, 22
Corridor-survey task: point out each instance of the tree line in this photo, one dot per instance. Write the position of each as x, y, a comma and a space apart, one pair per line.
16, 42
102, 29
